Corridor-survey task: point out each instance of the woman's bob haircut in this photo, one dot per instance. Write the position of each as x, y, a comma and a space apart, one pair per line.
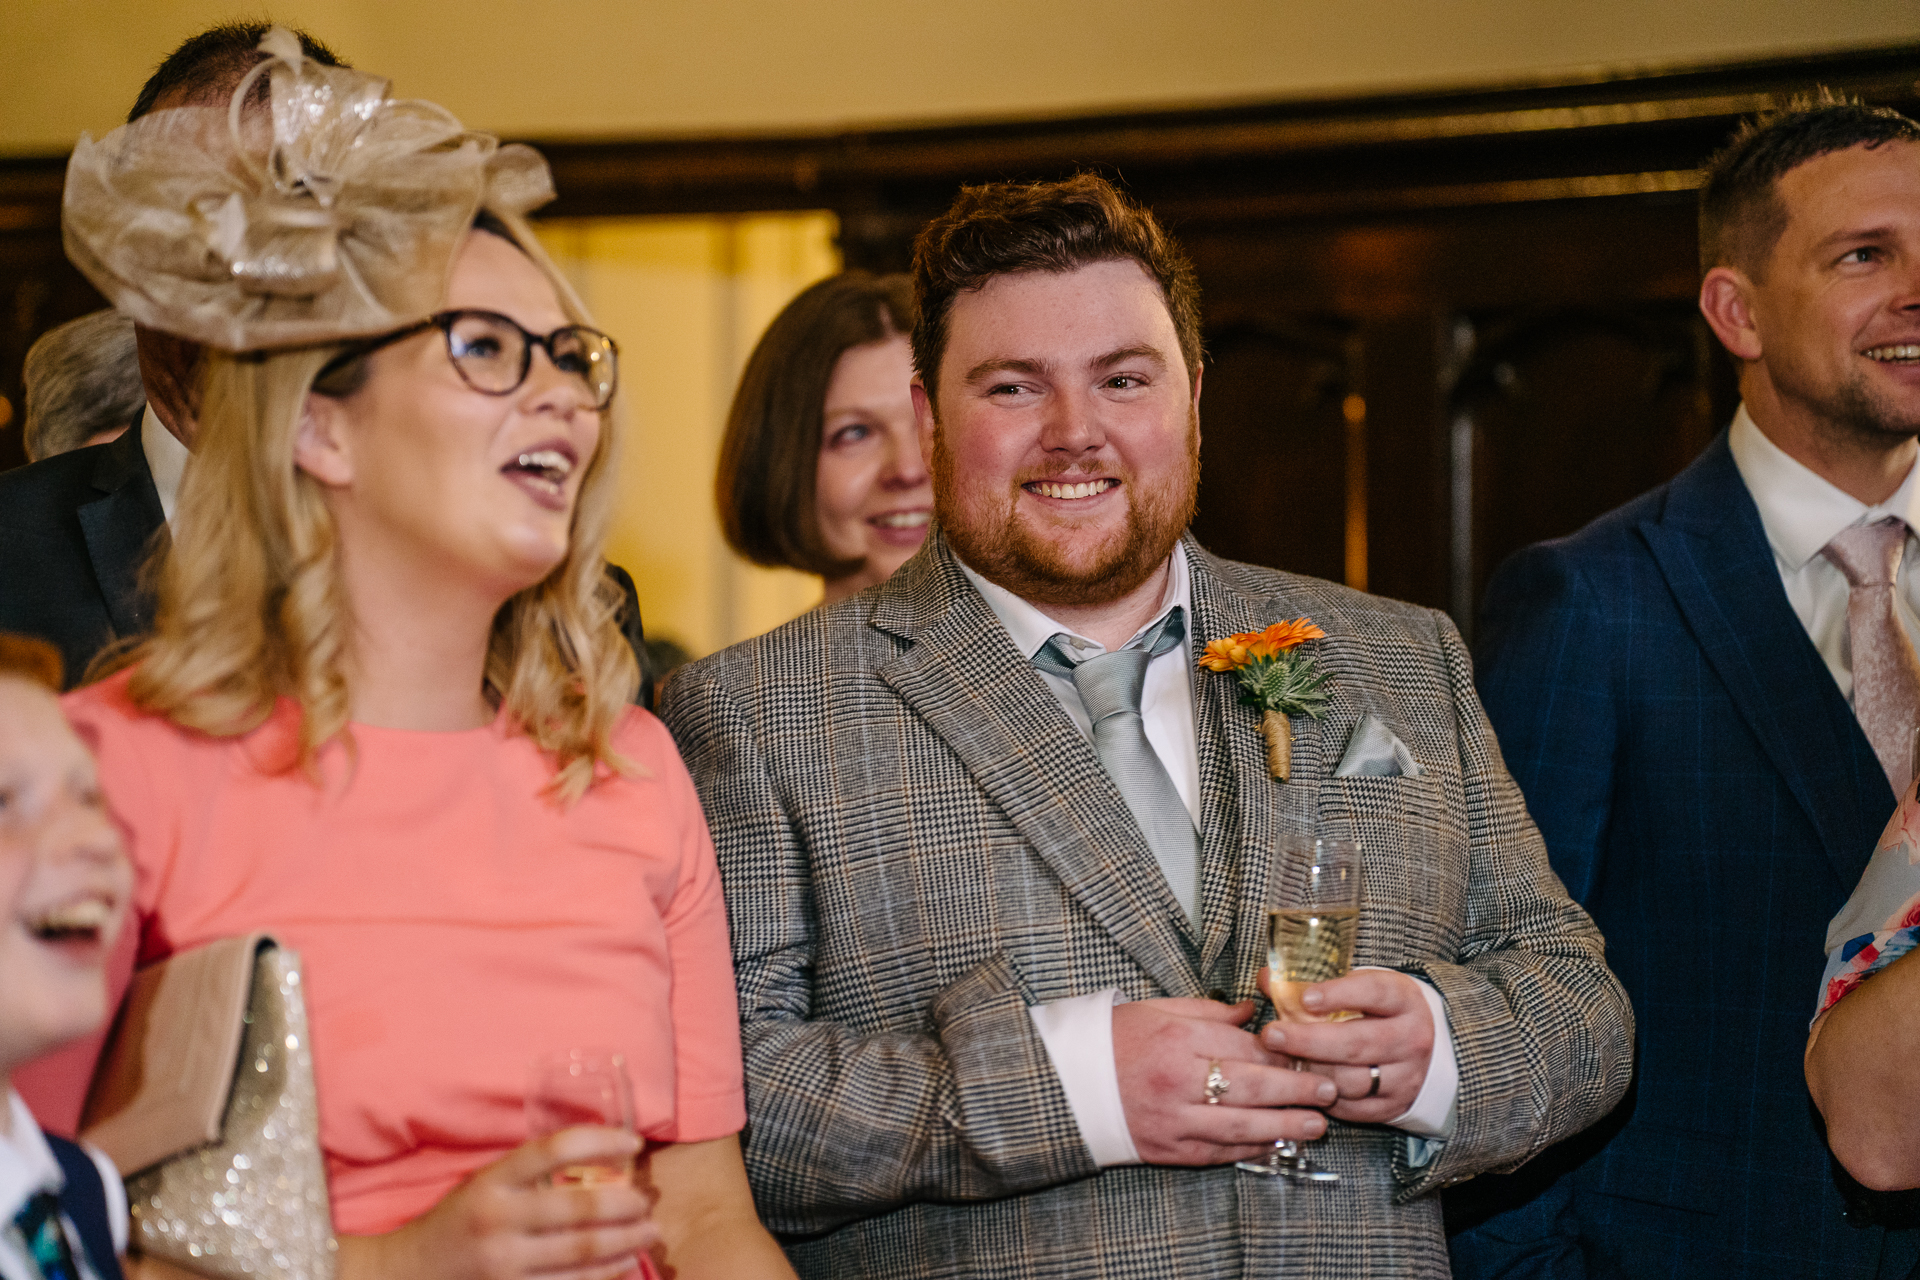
769, 458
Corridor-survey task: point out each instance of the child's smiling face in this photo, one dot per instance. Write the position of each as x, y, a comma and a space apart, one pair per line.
64, 881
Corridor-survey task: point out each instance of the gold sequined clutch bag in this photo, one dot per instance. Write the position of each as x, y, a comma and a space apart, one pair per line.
204, 1100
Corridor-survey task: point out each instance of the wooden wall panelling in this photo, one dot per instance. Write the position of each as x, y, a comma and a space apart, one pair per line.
1576, 137
1274, 463
1569, 412
1407, 287
1383, 258
39, 289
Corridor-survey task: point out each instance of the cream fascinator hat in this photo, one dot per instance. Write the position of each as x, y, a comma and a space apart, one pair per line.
333, 215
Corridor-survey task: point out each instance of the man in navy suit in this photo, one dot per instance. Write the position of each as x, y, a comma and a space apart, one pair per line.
1674, 689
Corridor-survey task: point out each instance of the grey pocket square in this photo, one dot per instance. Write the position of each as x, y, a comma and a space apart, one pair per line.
1374, 752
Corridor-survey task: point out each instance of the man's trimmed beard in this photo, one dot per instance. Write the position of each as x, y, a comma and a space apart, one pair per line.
1005, 552
1861, 415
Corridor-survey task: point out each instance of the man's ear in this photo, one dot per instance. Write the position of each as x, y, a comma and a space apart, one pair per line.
1726, 300
1195, 411
320, 442
170, 371
922, 416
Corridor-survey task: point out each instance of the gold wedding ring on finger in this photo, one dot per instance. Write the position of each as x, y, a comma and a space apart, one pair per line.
1217, 1084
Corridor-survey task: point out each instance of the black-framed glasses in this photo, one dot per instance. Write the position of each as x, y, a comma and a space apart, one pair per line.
493, 354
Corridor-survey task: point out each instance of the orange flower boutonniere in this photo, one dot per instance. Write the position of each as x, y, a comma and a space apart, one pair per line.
1275, 677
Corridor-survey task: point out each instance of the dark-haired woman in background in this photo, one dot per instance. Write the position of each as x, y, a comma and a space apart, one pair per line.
820, 469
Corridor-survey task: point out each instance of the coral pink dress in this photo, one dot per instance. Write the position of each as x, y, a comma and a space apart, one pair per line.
453, 923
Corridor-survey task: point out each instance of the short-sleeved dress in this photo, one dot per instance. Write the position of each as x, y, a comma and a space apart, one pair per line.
453, 922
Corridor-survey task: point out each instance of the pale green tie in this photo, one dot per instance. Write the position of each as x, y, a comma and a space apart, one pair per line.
1109, 685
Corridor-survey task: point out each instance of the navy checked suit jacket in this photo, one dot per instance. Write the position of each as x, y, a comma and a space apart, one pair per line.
917, 845
1707, 794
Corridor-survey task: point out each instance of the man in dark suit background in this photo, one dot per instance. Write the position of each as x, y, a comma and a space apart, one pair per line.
81, 385
76, 529
1675, 689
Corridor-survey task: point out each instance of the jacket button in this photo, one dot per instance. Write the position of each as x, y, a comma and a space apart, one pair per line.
1218, 995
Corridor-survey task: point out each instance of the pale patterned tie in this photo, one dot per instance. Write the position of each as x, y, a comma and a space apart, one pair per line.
1886, 674
1109, 685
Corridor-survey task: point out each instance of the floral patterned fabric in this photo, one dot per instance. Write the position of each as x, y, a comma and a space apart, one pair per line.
1881, 921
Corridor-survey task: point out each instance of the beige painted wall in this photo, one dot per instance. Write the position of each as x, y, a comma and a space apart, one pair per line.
686, 299
670, 66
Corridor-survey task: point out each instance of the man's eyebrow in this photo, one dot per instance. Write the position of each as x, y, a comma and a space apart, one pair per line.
1124, 354
1008, 364
1853, 234
1041, 368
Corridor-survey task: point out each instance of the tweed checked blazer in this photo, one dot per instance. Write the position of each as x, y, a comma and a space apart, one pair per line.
917, 845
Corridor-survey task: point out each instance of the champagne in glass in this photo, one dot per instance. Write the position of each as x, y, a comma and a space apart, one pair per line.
1306, 945
581, 1086
1309, 939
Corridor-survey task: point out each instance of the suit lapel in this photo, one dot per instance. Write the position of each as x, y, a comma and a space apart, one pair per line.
120, 527
963, 677
1713, 552
1246, 810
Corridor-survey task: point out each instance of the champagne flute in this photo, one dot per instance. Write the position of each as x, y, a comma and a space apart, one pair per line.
581, 1086
1308, 941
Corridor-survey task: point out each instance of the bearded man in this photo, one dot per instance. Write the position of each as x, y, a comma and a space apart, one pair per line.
1709, 697
995, 850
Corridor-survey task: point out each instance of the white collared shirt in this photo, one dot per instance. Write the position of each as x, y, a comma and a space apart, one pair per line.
166, 459
1078, 1032
1166, 699
27, 1167
1801, 512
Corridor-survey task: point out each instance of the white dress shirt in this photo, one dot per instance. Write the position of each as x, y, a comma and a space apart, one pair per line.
1801, 513
27, 1167
166, 459
1078, 1032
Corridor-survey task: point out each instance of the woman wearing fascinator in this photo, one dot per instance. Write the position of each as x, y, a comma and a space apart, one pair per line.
383, 711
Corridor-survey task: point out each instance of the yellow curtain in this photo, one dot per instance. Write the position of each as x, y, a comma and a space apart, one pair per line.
686, 298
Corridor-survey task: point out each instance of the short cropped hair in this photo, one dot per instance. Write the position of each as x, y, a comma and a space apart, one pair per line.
82, 378
1006, 228
1741, 213
770, 455
29, 659
208, 66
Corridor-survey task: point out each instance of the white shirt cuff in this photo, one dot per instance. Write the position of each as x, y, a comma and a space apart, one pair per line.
1078, 1034
1431, 1115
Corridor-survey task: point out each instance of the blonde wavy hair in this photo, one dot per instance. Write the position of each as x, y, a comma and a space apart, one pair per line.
251, 606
